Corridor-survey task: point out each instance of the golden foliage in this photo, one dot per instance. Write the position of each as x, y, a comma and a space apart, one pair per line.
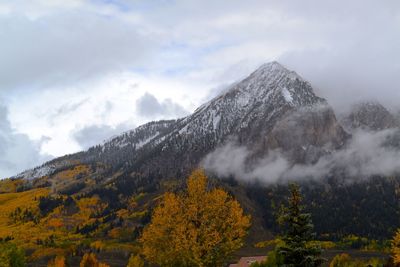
66, 178
396, 247
131, 203
277, 242
55, 223
72, 173
135, 261
115, 232
58, 261
9, 202
58, 231
90, 206
98, 245
90, 260
45, 253
340, 260
344, 260
268, 243
198, 228
10, 185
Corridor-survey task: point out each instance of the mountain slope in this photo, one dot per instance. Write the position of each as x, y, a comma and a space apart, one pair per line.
264, 111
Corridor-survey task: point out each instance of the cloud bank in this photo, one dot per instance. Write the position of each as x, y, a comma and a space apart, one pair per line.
18, 152
367, 154
148, 106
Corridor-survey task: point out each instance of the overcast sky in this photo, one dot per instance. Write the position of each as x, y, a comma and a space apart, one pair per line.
73, 73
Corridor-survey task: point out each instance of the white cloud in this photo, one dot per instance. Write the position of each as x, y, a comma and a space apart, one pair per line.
65, 48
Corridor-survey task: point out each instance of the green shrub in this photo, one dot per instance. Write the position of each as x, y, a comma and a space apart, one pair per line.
344, 260
11, 255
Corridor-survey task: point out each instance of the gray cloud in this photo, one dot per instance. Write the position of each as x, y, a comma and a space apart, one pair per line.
67, 46
367, 154
148, 106
95, 134
18, 152
348, 50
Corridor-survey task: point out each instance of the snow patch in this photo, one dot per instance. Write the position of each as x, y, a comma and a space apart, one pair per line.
287, 95
36, 173
147, 140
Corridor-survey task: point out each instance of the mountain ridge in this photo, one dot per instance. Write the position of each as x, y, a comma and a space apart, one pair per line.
249, 111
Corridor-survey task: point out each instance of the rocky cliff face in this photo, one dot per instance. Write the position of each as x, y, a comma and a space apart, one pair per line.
307, 134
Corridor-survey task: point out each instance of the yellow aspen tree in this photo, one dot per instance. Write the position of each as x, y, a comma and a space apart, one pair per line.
135, 261
58, 261
396, 248
90, 260
200, 227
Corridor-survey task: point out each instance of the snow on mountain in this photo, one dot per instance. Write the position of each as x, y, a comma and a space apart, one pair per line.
264, 95
139, 136
253, 111
37, 172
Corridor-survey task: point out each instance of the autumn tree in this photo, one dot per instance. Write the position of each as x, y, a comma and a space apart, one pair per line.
135, 261
90, 260
58, 261
199, 227
297, 248
396, 248
343, 259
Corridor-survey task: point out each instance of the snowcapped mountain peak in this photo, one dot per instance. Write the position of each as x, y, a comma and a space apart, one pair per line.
263, 97
273, 83
275, 70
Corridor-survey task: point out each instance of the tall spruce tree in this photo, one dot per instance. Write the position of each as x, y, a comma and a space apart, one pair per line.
298, 249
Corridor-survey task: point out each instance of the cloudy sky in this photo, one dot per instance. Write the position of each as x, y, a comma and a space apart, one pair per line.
73, 73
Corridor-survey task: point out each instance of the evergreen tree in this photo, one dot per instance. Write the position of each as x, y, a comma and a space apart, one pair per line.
298, 249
